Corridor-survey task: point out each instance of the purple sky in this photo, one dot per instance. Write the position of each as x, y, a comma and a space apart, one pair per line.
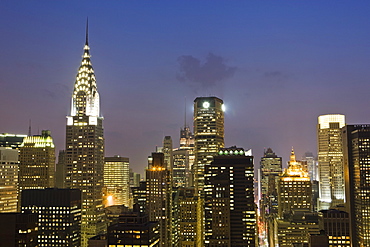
276, 64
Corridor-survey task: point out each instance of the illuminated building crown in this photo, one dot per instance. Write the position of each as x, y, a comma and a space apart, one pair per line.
295, 168
85, 97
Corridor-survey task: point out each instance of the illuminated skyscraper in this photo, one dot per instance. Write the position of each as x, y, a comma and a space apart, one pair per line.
158, 198
208, 139
356, 142
230, 211
117, 181
271, 167
11, 140
85, 148
208, 134
9, 166
294, 189
37, 162
187, 217
330, 156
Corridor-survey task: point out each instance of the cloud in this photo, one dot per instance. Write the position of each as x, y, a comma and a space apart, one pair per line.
55, 90
213, 70
273, 73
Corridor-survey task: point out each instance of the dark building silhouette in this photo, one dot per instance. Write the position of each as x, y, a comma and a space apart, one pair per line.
134, 229
336, 226
356, 144
230, 211
59, 215
18, 229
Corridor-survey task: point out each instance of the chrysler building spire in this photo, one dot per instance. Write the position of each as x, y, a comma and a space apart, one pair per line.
85, 97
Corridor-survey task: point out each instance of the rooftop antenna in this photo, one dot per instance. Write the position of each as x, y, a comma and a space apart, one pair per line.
29, 128
87, 31
185, 114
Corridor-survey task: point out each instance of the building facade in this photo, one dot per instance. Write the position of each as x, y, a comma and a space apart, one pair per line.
208, 134
117, 181
356, 142
230, 211
37, 162
19, 229
158, 197
330, 157
85, 148
294, 189
9, 166
59, 215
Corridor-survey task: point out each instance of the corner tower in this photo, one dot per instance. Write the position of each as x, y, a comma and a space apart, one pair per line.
85, 148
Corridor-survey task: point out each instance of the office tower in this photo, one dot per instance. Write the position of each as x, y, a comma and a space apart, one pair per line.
181, 169
294, 188
134, 179
158, 196
8, 180
186, 138
311, 165
187, 217
230, 211
37, 162
59, 215
271, 168
139, 197
330, 156
11, 140
296, 228
208, 134
85, 148
61, 170
336, 226
134, 229
356, 142
18, 230
187, 143
117, 181
167, 151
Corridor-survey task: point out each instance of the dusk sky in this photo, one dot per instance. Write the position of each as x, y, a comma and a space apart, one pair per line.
277, 65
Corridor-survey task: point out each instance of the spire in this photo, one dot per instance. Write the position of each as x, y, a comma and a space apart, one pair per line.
29, 128
292, 156
87, 31
85, 97
185, 114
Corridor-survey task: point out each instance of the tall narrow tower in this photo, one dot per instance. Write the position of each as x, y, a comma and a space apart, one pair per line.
330, 154
85, 148
208, 133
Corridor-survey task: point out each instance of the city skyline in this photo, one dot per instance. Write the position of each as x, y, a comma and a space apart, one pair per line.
279, 66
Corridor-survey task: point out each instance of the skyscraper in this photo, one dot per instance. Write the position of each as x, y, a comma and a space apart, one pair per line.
117, 181
85, 148
230, 211
271, 167
330, 156
208, 134
59, 215
9, 166
294, 189
158, 197
37, 162
356, 142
